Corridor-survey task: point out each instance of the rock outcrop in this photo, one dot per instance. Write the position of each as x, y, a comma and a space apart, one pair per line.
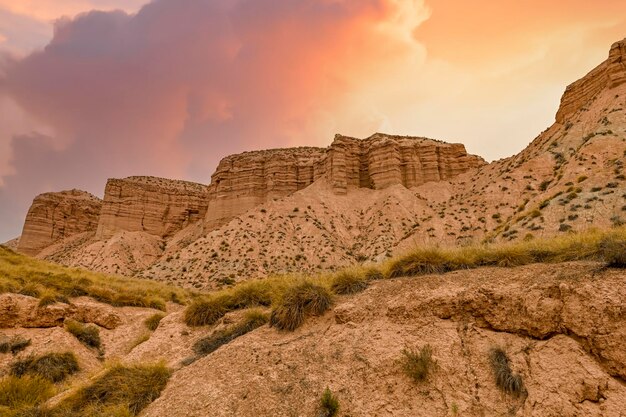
55, 216
157, 206
609, 74
246, 180
382, 160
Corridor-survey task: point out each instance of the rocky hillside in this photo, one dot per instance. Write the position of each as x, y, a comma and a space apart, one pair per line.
535, 340
312, 209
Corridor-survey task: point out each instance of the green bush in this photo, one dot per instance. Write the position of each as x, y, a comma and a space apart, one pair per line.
506, 380
88, 335
418, 364
299, 301
329, 404
54, 367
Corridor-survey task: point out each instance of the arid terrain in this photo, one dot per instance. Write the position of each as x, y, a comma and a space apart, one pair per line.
386, 276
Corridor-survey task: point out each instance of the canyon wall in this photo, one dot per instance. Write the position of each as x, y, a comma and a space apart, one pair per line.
609, 74
157, 206
54, 216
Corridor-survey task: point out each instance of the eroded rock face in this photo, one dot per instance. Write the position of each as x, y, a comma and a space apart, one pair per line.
156, 206
55, 216
609, 74
382, 160
246, 180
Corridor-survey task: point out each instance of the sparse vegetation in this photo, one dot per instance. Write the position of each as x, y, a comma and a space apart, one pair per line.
88, 335
252, 320
54, 367
299, 301
329, 404
14, 344
120, 391
152, 322
53, 283
508, 381
418, 364
26, 392
349, 282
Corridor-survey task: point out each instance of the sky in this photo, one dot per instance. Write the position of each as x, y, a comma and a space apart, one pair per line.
93, 89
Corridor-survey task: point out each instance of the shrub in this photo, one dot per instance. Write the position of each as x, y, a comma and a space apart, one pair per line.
417, 365
613, 252
127, 389
54, 367
207, 311
207, 345
16, 393
506, 380
329, 404
88, 335
14, 345
299, 301
153, 321
349, 282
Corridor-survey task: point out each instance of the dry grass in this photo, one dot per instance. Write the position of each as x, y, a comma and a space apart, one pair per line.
506, 380
252, 320
593, 245
152, 322
54, 283
87, 334
120, 391
418, 364
19, 393
300, 300
14, 344
329, 404
54, 367
350, 281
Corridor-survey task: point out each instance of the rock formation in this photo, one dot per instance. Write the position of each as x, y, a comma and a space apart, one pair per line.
609, 74
55, 216
249, 179
246, 180
156, 206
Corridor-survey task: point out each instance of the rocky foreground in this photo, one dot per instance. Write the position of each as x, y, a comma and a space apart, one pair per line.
560, 326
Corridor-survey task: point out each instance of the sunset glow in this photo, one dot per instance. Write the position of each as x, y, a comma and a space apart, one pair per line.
170, 87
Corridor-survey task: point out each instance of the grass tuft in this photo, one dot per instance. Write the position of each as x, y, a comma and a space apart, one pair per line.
329, 404
17, 393
349, 282
506, 380
54, 367
152, 322
418, 364
125, 389
88, 335
14, 345
613, 252
299, 301
207, 345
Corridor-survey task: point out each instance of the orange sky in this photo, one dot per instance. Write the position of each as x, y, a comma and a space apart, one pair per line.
170, 88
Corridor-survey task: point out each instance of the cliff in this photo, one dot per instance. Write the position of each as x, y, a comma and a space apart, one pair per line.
609, 74
156, 206
55, 216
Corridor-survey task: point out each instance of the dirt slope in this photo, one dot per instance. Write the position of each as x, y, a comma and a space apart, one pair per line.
562, 327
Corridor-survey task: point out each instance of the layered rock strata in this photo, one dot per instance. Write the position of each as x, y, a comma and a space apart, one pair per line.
609, 74
157, 206
55, 216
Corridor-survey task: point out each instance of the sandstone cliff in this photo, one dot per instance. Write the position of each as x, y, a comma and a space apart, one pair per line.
157, 206
55, 216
